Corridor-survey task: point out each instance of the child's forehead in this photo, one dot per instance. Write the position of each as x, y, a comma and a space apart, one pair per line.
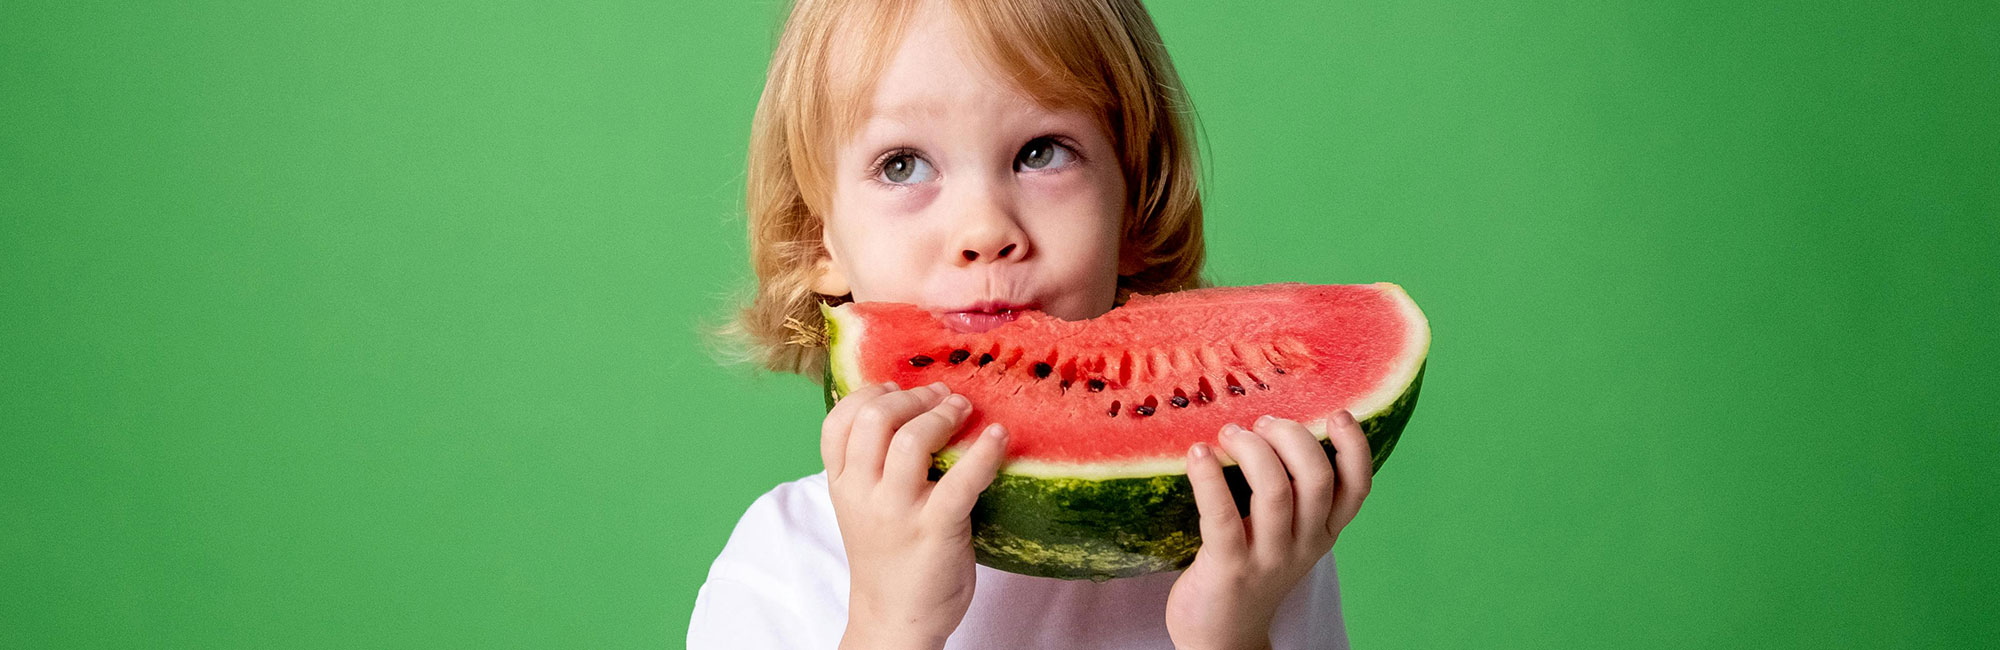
924, 52
921, 71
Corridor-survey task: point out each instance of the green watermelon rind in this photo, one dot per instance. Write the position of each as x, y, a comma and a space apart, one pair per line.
1121, 527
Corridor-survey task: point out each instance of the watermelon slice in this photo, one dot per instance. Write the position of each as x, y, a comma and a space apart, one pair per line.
1101, 412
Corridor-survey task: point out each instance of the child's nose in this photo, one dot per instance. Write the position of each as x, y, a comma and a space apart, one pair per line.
988, 232
971, 255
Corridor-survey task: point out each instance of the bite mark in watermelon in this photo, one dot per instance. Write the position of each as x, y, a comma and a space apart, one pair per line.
1101, 412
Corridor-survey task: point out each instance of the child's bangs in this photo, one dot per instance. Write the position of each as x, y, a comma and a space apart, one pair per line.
1064, 54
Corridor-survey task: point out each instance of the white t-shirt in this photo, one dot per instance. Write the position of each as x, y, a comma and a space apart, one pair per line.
781, 584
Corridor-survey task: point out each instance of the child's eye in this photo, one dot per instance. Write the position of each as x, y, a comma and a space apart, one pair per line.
904, 168
1044, 153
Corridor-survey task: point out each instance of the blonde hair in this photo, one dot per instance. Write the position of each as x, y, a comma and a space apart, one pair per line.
1101, 56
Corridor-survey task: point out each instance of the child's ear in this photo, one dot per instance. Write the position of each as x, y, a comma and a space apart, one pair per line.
828, 280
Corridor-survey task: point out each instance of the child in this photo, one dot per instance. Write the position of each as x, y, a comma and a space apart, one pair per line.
980, 157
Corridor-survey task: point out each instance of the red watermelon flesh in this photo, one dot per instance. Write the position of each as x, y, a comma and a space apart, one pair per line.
1126, 393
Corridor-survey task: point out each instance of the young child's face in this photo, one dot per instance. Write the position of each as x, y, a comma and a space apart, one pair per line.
962, 195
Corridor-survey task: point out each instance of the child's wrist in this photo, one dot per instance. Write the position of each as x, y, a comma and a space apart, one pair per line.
869, 628
1224, 635
863, 635
1258, 643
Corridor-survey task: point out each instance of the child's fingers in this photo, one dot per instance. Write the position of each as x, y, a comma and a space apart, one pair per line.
1356, 470
951, 501
908, 466
876, 421
1312, 474
1270, 524
839, 420
1221, 526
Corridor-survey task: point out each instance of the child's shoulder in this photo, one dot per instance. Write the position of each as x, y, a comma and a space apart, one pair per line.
783, 569
801, 505
793, 521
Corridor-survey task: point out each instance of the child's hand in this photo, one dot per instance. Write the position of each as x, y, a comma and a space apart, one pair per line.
908, 541
1247, 565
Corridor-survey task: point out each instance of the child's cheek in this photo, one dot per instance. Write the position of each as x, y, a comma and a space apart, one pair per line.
1060, 181
899, 205
1078, 191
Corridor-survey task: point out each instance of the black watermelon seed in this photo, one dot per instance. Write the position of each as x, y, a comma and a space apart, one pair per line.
1262, 386
1042, 370
1143, 410
920, 361
985, 359
1277, 370
1114, 408
1178, 401
1237, 390
1065, 385
1095, 385
958, 356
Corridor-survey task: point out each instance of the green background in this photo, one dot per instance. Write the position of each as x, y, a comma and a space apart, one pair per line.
377, 324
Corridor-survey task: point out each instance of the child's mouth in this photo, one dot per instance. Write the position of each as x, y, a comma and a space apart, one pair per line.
975, 322
984, 316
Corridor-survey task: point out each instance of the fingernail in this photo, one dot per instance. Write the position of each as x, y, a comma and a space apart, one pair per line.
938, 387
1346, 416
958, 402
889, 385
1199, 450
998, 432
1230, 430
1261, 421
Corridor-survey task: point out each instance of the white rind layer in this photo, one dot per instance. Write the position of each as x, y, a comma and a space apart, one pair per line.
844, 357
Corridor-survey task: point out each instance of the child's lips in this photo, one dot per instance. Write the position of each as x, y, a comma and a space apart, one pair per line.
985, 314
974, 322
